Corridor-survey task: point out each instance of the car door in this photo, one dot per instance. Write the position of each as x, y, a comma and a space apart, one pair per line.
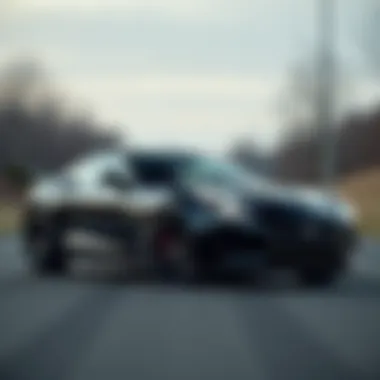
201, 189
96, 201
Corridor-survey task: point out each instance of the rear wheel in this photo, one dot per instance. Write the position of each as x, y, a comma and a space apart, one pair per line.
174, 258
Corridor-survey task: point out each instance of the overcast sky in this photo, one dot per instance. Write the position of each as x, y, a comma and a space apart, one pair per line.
174, 71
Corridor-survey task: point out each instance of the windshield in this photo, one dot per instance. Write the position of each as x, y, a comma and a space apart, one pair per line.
225, 173
157, 169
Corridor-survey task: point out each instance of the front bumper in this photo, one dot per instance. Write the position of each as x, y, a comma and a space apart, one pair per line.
335, 244
242, 247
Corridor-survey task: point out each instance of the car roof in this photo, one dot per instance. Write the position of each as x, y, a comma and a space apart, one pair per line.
165, 154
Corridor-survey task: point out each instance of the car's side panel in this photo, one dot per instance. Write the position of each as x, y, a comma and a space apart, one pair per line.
100, 210
81, 198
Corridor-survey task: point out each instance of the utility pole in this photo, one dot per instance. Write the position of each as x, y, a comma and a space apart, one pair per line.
326, 91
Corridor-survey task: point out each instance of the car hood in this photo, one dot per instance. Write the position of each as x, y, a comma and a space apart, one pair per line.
310, 199
296, 195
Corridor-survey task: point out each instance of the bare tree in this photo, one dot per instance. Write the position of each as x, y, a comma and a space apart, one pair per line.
299, 115
25, 82
249, 155
35, 132
297, 98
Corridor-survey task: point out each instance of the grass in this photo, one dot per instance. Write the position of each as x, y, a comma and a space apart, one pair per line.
363, 190
10, 216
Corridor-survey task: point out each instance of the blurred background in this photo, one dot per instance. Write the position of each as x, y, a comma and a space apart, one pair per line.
250, 79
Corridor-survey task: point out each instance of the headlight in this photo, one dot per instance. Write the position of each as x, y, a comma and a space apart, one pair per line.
337, 208
348, 212
44, 192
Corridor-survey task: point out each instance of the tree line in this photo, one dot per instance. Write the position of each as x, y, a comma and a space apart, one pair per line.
356, 138
37, 132
298, 158
357, 142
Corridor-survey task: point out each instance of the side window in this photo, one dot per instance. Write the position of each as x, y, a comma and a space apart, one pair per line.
153, 171
205, 173
91, 170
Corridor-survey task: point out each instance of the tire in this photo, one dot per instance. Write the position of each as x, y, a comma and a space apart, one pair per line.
318, 277
178, 265
260, 279
46, 250
175, 261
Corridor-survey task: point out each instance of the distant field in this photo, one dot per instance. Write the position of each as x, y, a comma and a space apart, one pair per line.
364, 191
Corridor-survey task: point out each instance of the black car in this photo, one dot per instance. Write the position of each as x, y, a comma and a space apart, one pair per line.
202, 216
230, 219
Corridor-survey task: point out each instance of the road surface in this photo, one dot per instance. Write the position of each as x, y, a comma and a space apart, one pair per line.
82, 328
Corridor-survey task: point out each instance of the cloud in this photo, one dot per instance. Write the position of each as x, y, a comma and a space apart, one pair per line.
204, 11
126, 4
170, 69
115, 41
179, 85
367, 94
183, 9
174, 6
203, 111
49, 57
207, 127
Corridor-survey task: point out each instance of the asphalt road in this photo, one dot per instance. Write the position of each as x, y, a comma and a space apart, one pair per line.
82, 327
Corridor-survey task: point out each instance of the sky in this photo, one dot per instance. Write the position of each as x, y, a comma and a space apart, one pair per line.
196, 73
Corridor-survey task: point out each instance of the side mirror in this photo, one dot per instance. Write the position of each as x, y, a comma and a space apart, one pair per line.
120, 181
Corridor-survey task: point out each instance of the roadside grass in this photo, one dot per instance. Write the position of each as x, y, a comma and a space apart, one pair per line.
363, 190
10, 216
370, 224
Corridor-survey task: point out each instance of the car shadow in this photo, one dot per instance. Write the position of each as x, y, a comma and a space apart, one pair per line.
350, 286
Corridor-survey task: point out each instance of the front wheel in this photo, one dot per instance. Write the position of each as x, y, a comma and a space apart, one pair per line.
46, 250
318, 277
